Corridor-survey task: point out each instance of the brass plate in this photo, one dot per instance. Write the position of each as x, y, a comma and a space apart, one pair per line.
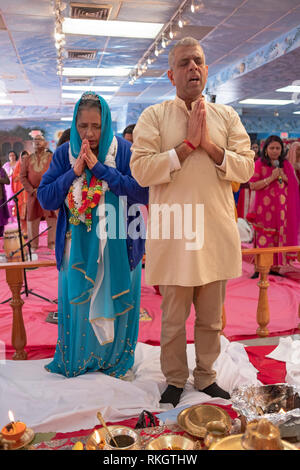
91, 443
25, 439
235, 443
170, 441
195, 418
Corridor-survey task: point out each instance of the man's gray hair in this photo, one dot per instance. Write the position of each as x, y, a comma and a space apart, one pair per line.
188, 41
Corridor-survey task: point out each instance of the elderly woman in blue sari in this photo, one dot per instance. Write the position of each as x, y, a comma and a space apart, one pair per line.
99, 245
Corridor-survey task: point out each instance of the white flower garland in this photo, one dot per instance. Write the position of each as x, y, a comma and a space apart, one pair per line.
110, 160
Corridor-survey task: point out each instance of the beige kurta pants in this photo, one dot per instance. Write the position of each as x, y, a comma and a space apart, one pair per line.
176, 306
33, 231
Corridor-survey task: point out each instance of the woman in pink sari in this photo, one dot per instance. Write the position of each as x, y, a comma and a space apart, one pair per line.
276, 213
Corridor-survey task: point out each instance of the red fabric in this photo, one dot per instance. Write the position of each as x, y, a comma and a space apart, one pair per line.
270, 370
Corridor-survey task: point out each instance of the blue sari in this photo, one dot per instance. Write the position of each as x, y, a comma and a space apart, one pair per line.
87, 300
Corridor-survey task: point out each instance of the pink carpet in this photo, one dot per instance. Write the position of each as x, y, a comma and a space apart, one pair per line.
240, 305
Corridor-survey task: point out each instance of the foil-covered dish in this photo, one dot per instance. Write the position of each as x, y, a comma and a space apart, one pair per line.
279, 403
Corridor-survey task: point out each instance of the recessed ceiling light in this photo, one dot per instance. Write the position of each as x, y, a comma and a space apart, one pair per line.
290, 89
95, 72
125, 29
103, 88
266, 102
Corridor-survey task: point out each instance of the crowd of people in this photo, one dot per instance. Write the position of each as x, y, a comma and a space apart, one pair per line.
94, 174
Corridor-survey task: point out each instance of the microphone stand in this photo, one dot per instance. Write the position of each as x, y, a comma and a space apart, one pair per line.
22, 245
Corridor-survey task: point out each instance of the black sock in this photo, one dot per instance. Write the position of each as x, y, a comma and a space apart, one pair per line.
215, 391
171, 395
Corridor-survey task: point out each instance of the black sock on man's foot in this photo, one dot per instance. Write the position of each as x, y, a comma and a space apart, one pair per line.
171, 395
215, 391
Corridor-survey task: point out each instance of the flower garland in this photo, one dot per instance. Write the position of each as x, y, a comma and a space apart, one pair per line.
83, 198
90, 198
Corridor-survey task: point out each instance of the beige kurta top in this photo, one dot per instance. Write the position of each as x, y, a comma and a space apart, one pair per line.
31, 172
199, 194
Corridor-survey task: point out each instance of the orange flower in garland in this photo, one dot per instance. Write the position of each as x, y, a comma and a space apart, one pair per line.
90, 197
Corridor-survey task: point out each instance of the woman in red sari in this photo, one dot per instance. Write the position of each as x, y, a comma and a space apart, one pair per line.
277, 208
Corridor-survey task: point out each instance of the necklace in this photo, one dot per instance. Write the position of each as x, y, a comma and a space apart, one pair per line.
90, 197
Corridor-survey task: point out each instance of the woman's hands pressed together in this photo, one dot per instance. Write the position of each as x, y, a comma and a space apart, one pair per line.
85, 158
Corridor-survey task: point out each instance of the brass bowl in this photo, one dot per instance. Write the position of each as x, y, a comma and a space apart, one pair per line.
122, 434
234, 442
170, 442
194, 419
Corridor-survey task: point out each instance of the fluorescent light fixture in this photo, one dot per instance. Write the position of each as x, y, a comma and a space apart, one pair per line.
2, 101
121, 29
266, 102
67, 118
77, 96
296, 112
103, 88
95, 72
290, 89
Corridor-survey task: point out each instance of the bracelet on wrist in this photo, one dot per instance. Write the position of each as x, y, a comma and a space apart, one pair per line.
187, 142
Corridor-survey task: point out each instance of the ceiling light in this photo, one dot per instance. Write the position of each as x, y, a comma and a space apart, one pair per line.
171, 34
180, 23
127, 29
77, 96
266, 102
296, 112
3, 101
290, 89
192, 7
95, 72
103, 89
67, 118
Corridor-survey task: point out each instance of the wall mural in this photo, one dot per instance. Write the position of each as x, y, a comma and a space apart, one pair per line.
274, 49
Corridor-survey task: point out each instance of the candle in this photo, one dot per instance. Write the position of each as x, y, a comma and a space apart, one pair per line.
14, 430
100, 443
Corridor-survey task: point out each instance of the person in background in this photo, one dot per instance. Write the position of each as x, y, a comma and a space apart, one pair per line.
65, 137
293, 157
4, 212
255, 148
99, 270
276, 213
9, 168
188, 152
246, 198
22, 197
32, 169
127, 133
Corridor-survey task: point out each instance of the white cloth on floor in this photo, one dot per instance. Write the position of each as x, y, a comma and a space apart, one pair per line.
50, 402
288, 351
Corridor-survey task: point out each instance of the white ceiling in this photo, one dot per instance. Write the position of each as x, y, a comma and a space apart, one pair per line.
252, 48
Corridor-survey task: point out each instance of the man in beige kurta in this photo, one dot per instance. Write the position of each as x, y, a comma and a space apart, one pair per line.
188, 152
31, 171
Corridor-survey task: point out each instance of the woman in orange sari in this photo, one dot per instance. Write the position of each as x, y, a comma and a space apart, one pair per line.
22, 197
